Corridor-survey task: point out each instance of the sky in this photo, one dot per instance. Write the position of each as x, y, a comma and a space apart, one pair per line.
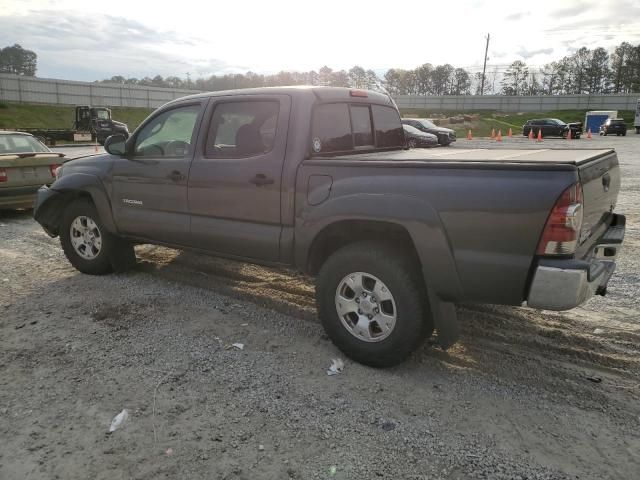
81, 40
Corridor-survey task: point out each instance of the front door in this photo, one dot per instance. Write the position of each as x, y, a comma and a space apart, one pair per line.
150, 183
235, 179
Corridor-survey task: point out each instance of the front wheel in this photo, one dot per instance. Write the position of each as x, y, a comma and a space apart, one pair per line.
86, 243
371, 302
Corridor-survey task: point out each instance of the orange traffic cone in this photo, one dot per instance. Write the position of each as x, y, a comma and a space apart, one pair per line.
510, 134
589, 134
499, 137
539, 139
569, 135
469, 136
493, 133
531, 134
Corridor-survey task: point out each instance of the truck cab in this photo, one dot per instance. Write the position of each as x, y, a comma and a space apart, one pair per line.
98, 121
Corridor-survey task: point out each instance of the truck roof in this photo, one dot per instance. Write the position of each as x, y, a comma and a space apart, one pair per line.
321, 93
483, 155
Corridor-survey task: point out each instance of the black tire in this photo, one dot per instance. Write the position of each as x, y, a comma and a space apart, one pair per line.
398, 272
111, 246
624, 134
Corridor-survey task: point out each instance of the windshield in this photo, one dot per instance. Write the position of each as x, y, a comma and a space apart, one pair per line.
16, 143
428, 124
410, 129
558, 122
102, 114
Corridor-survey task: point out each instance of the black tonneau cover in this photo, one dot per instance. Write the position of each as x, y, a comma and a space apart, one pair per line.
543, 156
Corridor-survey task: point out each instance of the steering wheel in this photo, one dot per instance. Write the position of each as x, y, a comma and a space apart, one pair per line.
173, 146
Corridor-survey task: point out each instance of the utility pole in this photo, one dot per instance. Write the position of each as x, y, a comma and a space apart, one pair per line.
484, 68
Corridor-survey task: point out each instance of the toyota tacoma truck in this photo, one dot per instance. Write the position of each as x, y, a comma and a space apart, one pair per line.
319, 179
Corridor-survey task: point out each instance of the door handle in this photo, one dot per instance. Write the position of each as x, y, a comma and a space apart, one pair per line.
261, 179
175, 176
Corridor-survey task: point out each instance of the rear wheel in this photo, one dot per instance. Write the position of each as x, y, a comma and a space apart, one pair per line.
371, 302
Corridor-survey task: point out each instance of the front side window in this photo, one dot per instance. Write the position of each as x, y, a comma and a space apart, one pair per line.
389, 131
168, 134
242, 129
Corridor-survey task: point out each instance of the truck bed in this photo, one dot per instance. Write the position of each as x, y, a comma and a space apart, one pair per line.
538, 156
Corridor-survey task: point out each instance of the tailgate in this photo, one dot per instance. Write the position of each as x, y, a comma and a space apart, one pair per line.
600, 186
24, 170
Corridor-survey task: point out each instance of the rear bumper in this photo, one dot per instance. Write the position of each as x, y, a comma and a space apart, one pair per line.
18, 197
565, 284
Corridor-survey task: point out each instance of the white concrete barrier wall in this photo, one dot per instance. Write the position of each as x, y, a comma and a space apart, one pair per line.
14, 88
541, 103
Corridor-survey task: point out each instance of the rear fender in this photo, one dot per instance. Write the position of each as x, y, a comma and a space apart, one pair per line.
418, 217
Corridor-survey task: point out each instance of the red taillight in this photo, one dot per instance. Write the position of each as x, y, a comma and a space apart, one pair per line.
358, 93
3, 175
562, 230
53, 168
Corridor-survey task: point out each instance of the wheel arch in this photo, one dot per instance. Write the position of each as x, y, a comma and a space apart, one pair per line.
68, 189
408, 222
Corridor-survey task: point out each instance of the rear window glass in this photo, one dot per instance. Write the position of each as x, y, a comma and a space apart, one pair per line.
389, 131
21, 144
361, 121
340, 127
331, 131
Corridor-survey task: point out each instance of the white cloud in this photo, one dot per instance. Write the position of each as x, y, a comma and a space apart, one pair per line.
145, 38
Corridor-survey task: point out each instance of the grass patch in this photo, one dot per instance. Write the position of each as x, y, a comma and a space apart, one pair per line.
25, 115
489, 120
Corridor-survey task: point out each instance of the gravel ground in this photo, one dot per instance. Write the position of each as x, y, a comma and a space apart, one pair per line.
523, 395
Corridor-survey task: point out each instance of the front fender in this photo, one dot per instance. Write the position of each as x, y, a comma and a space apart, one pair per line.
414, 214
51, 202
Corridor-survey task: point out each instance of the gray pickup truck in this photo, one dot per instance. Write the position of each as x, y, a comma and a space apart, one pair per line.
320, 179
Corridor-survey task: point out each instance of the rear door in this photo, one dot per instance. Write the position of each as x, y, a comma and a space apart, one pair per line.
235, 179
150, 185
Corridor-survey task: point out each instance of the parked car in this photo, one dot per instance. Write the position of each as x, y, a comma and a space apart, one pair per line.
446, 136
319, 179
614, 126
25, 165
416, 138
552, 127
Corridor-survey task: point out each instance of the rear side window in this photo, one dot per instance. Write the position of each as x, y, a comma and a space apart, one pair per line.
341, 127
242, 129
389, 131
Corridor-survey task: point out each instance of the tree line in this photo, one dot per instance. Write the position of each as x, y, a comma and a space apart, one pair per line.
17, 60
585, 71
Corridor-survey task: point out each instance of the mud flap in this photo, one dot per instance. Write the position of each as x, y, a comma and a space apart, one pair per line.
123, 256
445, 320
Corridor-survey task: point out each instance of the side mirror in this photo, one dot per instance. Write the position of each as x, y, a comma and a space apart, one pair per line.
116, 144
